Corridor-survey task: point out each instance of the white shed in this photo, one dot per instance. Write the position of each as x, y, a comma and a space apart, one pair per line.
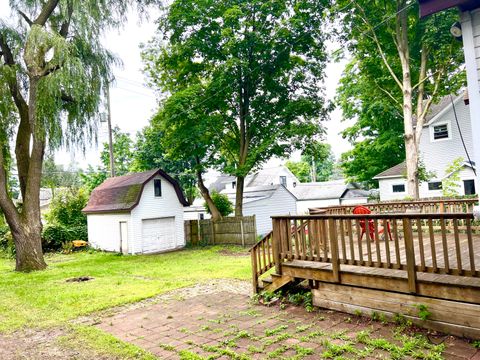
138, 213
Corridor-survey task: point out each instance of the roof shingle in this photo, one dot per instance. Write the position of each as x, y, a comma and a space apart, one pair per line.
122, 193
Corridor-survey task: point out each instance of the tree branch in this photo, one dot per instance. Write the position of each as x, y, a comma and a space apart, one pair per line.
6, 203
389, 94
379, 47
66, 24
25, 17
46, 12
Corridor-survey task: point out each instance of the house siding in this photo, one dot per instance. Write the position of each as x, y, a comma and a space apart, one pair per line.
437, 155
304, 205
151, 207
104, 230
387, 194
282, 202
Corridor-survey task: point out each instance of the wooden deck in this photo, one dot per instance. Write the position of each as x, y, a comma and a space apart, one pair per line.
435, 257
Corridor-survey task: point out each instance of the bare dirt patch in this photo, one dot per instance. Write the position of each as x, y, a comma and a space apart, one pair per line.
41, 345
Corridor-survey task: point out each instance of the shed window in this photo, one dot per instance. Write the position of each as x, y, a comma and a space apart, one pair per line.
469, 187
435, 185
440, 132
157, 184
283, 180
398, 188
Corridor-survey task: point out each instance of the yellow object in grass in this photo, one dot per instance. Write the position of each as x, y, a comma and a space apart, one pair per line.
79, 243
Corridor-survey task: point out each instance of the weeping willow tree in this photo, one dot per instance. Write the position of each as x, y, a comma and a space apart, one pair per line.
53, 71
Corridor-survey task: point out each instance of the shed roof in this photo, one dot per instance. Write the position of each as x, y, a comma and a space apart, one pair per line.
122, 193
395, 171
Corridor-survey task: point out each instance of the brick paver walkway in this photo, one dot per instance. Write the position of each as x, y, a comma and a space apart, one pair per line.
228, 326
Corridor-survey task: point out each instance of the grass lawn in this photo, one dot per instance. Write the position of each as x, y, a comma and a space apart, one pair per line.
44, 299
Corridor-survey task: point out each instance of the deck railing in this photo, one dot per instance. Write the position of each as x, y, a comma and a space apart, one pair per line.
419, 206
447, 243
262, 257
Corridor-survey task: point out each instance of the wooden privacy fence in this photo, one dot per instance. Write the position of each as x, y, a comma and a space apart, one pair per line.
419, 206
228, 231
447, 243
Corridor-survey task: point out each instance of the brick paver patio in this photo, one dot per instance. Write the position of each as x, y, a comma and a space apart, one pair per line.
229, 326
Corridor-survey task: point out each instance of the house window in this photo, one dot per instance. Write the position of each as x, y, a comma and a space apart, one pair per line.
234, 184
469, 187
157, 184
283, 180
435, 185
441, 132
398, 188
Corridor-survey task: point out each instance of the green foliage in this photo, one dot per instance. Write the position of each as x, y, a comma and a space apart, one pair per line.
221, 202
244, 76
450, 184
93, 178
317, 163
476, 344
6, 241
123, 152
55, 176
368, 93
66, 222
423, 312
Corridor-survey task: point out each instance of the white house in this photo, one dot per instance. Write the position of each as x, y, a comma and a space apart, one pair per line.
327, 193
445, 138
265, 202
277, 175
138, 213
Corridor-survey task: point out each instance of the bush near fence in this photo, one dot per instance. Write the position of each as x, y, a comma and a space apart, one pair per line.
227, 231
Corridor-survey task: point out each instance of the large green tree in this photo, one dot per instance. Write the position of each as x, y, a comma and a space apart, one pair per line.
411, 61
260, 64
53, 71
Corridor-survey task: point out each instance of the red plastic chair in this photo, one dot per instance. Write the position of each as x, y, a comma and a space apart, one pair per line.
362, 210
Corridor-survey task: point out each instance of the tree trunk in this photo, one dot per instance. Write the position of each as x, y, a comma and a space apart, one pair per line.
208, 199
239, 196
28, 246
411, 148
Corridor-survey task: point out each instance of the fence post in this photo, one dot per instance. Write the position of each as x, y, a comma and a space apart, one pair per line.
334, 249
212, 223
243, 236
276, 246
410, 255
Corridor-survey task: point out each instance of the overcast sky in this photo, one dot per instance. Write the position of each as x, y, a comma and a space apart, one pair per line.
133, 104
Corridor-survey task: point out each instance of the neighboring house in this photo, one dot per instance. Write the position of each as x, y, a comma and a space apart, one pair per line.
440, 144
265, 202
196, 211
138, 213
278, 175
327, 193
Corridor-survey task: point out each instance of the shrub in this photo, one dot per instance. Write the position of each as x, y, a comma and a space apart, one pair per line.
55, 235
222, 203
6, 241
65, 220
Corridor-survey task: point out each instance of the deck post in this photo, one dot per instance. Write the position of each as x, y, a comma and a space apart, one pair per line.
253, 255
410, 255
276, 246
334, 249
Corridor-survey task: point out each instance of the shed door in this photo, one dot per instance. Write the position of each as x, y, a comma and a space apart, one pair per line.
158, 234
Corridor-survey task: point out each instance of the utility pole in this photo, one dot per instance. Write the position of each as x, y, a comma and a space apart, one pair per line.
110, 138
